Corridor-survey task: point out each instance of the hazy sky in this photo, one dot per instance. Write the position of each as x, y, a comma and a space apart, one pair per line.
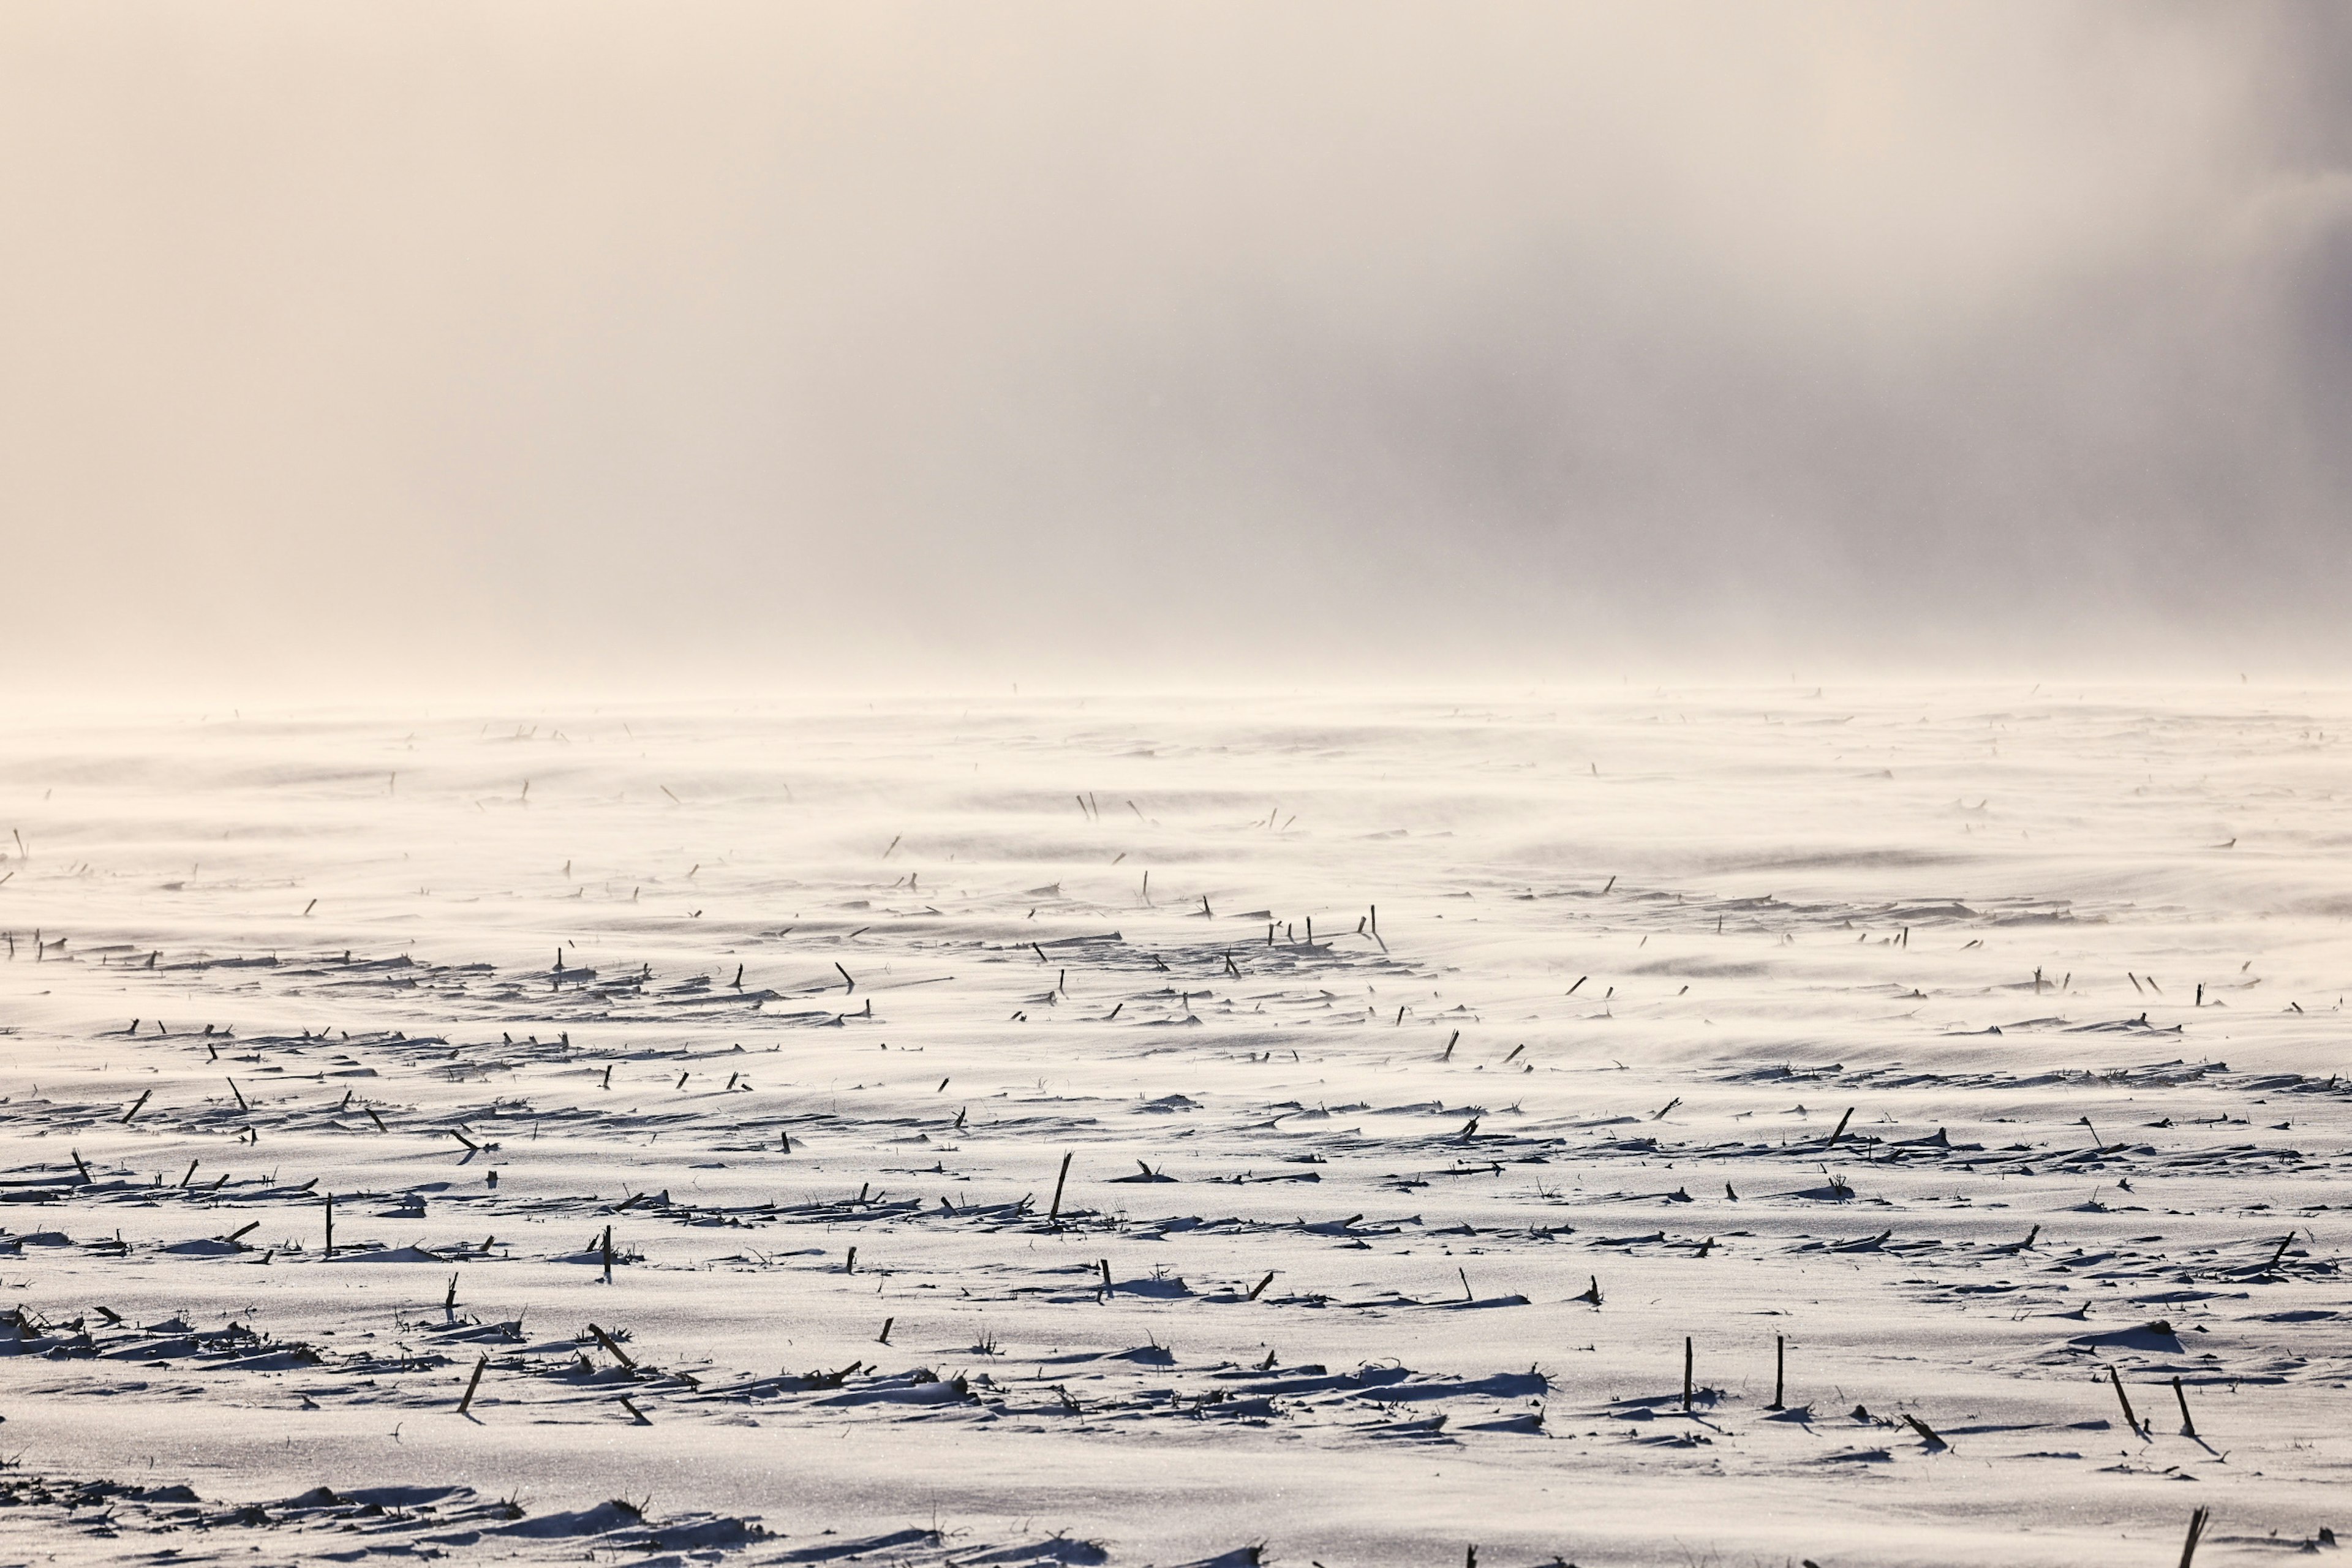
681, 346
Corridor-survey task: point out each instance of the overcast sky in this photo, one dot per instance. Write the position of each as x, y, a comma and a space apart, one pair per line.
703, 346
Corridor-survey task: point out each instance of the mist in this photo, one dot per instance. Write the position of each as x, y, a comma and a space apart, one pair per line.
425, 347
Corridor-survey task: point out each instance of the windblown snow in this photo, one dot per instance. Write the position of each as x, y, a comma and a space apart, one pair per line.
1894, 1126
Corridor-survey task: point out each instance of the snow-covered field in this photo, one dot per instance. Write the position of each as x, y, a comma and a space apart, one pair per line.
1427, 1077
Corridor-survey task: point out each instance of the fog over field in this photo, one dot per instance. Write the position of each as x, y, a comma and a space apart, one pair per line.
1243, 787
527, 347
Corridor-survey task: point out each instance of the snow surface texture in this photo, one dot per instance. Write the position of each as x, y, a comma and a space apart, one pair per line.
1981, 1050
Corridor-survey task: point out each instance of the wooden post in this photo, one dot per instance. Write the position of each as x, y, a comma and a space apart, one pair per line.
613, 1346
1780, 1369
330, 1225
476, 1382
2124, 1399
608, 1254
1686, 1371
1053, 1214
2196, 1528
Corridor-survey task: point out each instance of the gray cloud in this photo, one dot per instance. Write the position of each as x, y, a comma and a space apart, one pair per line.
760, 345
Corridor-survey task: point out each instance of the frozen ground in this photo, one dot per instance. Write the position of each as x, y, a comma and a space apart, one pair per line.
1376, 1244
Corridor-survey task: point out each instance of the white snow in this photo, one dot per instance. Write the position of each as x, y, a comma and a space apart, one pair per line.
1316, 1285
